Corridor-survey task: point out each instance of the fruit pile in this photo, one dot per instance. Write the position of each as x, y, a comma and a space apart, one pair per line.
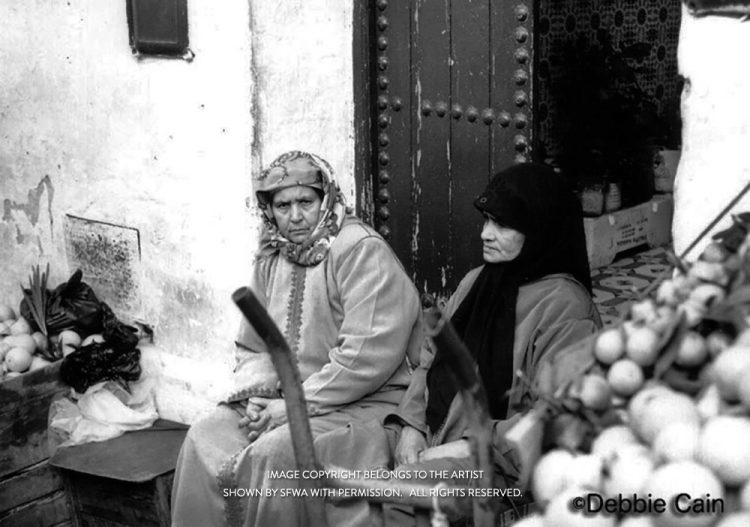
22, 349
654, 430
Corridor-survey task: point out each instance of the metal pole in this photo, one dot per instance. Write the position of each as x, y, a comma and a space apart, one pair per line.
294, 397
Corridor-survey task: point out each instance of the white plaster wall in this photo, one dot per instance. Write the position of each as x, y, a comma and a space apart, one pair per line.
715, 164
303, 64
160, 145
167, 147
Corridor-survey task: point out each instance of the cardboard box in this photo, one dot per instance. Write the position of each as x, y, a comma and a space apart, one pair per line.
648, 224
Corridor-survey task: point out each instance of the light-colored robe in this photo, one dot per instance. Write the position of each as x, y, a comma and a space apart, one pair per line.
551, 314
353, 322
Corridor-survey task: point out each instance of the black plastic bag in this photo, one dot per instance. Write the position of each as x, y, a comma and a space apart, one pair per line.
118, 335
72, 305
99, 362
115, 359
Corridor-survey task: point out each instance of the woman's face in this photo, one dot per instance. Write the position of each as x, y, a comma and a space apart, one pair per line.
296, 211
500, 243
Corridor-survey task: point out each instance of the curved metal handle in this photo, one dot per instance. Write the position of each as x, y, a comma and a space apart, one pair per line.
294, 397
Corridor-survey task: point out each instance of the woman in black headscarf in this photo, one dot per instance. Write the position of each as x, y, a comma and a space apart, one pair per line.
530, 299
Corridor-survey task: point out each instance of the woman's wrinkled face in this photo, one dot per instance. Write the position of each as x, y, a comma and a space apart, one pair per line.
296, 211
500, 243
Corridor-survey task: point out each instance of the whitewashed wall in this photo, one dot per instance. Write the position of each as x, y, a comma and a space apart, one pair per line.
303, 64
166, 147
715, 163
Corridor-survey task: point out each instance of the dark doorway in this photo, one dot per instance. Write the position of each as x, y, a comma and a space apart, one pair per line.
450, 102
449, 91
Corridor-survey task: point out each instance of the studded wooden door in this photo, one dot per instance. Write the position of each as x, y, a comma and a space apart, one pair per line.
452, 104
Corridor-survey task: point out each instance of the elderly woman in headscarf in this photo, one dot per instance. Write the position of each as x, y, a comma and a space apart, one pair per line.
350, 315
530, 299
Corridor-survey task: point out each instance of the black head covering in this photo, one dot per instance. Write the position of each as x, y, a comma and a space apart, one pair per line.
532, 199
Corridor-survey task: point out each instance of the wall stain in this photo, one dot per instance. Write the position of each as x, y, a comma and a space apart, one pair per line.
109, 256
32, 207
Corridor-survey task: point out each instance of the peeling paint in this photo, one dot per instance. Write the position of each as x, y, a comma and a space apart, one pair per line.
415, 236
450, 207
32, 207
416, 192
418, 96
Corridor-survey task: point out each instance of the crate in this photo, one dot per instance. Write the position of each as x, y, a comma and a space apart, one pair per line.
648, 224
31, 491
123, 481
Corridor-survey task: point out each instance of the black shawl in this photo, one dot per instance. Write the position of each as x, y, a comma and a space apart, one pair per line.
532, 199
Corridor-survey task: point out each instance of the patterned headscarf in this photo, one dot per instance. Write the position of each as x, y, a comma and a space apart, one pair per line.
305, 169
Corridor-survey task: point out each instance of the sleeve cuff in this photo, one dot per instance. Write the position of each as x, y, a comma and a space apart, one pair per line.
403, 421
